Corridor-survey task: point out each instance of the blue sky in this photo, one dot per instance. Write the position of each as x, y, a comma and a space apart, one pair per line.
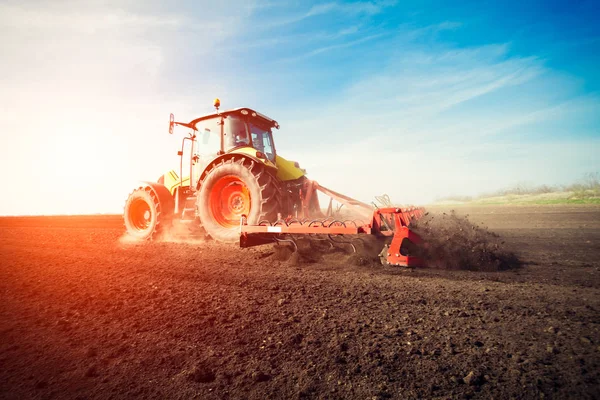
417, 99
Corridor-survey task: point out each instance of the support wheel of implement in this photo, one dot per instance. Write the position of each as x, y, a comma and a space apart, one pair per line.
143, 217
233, 188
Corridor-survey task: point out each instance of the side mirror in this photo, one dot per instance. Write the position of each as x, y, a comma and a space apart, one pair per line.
171, 123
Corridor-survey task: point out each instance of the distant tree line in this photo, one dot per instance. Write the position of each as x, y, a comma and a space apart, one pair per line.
585, 188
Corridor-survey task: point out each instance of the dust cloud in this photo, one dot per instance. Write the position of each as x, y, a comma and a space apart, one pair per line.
453, 242
174, 233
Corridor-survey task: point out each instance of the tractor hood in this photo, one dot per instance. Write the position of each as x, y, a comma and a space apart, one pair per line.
252, 152
286, 170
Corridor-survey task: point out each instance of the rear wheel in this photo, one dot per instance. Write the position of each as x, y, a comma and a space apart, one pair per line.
233, 188
143, 216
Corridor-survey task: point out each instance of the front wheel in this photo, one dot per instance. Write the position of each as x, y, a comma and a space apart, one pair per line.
143, 215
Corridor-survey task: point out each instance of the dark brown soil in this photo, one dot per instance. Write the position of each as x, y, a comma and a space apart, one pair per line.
85, 315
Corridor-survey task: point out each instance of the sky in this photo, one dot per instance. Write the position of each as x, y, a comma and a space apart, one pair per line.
416, 99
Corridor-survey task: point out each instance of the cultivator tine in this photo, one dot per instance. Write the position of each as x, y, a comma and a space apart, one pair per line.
313, 238
281, 222
315, 222
331, 237
342, 242
290, 240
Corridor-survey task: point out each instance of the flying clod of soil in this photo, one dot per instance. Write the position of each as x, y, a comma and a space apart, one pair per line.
453, 242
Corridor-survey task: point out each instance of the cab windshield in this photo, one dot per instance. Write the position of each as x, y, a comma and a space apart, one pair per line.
262, 140
240, 132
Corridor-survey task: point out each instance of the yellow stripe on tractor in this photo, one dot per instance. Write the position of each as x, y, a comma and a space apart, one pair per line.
172, 181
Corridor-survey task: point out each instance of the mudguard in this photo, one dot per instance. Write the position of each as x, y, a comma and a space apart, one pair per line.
238, 155
165, 198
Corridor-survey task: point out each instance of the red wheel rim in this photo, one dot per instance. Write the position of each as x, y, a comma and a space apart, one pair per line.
229, 200
140, 214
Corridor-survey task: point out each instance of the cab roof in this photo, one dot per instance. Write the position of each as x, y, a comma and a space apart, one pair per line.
244, 111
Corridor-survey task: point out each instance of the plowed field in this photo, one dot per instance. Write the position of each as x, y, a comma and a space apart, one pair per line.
86, 315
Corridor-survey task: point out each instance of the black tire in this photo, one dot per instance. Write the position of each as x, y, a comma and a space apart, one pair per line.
257, 189
143, 215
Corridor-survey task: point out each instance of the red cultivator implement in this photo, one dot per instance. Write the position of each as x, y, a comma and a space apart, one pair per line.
390, 224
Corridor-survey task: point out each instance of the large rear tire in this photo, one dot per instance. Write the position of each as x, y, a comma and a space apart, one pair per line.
233, 188
143, 214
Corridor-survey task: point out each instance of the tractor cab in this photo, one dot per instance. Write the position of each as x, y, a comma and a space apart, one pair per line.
241, 130
234, 128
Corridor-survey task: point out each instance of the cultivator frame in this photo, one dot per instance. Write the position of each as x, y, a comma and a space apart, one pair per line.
392, 224
310, 201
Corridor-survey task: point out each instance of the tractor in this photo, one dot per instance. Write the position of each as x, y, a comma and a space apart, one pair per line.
228, 168
232, 186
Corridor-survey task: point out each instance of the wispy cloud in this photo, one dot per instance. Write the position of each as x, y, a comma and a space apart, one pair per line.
354, 9
357, 8
73, 20
423, 84
328, 48
301, 39
411, 33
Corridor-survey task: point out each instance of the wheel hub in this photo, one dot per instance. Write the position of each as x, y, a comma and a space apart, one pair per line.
237, 203
229, 200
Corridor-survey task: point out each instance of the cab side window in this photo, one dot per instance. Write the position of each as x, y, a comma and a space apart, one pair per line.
209, 136
236, 133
